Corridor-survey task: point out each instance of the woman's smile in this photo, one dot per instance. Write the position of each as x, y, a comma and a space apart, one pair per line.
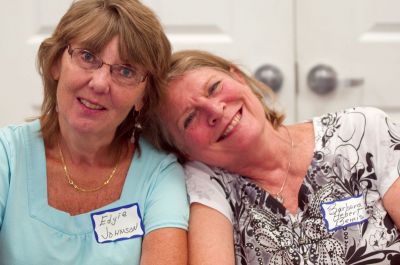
229, 128
214, 113
90, 105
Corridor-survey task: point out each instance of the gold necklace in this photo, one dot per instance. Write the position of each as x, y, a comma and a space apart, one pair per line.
278, 196
74, 185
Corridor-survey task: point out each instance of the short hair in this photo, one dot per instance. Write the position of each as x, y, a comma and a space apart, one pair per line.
188, 60
94, 23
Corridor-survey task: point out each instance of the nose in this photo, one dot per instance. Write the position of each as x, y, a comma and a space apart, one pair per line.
101, 79
214, 110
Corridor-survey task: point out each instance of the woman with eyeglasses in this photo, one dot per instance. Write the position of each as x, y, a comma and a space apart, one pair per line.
78, 185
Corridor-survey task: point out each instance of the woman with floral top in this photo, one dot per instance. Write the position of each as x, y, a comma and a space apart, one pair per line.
323, 191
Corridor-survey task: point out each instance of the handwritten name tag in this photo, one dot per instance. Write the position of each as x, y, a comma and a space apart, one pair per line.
118, 224
343, 213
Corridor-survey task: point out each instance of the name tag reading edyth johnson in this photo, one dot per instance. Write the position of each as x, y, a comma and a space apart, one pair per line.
343, 213
120, 223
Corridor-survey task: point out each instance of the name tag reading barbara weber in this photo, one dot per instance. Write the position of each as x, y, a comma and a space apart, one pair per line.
118, 224
343, 213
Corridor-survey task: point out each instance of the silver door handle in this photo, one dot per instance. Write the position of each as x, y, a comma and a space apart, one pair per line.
322, 79
270, 75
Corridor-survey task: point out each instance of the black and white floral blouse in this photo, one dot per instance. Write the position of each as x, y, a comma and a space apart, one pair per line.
340, 219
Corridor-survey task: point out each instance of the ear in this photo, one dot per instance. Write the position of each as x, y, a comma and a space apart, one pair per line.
139, 105
237, 75
141, 98
55, 70
139, 102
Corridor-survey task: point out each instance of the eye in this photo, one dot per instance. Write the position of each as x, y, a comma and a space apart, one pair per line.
87, 56
125, 71
189, 119
214, 87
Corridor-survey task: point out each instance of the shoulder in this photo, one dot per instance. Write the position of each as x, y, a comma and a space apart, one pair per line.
160, 181
354, 116
211, 186
348, 123
200, 169
20, 129
17, 135
197, 171
150, 155
363, 114
156, 165
17, 143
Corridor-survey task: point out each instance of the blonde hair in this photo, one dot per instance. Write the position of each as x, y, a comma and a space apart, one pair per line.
93, 23
188, 60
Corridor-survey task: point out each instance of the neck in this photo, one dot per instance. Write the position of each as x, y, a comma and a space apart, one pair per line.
269, 165
88, 149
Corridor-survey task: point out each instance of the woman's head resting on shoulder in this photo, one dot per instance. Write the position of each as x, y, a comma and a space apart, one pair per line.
96, 26
210, 109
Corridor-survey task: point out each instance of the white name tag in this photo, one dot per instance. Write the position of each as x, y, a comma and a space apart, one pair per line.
343, 213
118, 224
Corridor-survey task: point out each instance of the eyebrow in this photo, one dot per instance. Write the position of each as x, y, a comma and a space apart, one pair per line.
122, 61
204, 88
207, 83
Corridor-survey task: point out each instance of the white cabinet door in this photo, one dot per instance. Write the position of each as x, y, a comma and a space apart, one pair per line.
23, 25
360, 41
252, 33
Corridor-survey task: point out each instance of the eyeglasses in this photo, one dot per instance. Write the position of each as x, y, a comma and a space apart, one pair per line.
121, 74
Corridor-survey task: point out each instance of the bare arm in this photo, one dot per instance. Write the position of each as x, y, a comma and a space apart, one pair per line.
391, 202
165, 246
210, 237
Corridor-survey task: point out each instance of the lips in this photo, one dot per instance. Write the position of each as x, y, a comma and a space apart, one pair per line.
229, 128
91, 105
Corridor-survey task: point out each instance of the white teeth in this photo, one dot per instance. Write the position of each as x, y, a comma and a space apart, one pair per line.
90, 105
232, 125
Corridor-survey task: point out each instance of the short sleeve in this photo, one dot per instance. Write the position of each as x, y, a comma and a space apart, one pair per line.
167, 204
387, 134
4, 175
204, 190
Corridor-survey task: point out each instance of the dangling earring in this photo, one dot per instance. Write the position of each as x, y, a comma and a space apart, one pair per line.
137, 126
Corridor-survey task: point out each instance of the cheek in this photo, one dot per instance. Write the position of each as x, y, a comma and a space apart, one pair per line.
234, 88
196, 138
71, 81
231, 91
64, 92
197, 146
124, 99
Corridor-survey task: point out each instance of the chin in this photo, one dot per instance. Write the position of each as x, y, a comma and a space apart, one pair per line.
87, 127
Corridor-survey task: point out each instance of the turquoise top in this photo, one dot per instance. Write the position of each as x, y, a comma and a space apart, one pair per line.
32, 232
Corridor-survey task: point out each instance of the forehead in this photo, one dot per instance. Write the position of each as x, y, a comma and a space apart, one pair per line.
98, 47
191, 84
183, 91
193, 80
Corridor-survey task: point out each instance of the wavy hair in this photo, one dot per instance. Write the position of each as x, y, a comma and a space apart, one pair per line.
188, 60
94, 23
